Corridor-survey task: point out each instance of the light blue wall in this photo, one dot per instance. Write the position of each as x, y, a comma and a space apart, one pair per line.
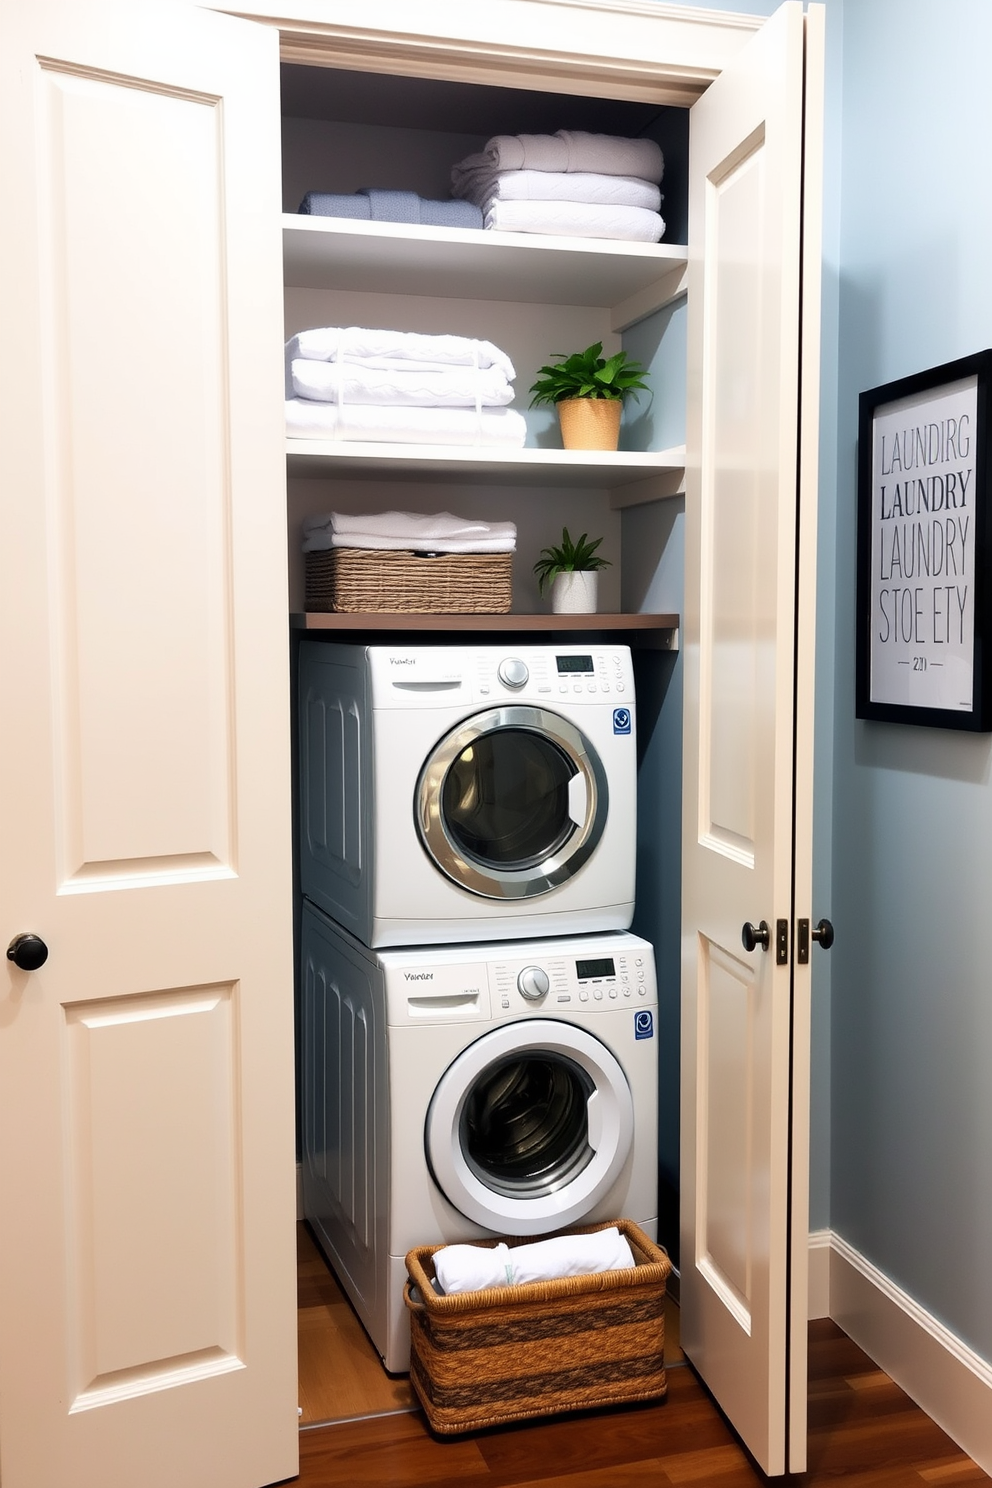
911, 1047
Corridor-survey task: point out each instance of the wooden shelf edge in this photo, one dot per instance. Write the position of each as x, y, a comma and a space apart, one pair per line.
502, 624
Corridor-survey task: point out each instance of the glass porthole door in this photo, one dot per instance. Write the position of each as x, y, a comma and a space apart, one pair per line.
512, 802
530, 1127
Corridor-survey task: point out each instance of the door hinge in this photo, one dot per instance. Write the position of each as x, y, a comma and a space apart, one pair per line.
781, 942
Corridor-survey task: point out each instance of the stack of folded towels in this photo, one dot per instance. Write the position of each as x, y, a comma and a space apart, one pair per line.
407, 532
346, 382
371, 204
472, 1268
576, 184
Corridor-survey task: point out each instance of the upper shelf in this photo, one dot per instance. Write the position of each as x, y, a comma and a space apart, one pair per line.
631, 279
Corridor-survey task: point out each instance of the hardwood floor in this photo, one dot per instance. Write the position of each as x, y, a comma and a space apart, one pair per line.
864, 1431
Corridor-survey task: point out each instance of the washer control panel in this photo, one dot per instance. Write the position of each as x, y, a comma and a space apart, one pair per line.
603, 977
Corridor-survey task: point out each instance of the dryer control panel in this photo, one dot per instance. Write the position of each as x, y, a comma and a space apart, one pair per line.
442, 676
570, 672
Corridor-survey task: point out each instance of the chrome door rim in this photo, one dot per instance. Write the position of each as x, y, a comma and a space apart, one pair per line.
511, 883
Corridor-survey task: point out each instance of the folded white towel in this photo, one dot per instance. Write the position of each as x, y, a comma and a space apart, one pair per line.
464, 1268
383, 348
576, 186
575, 220
487, 427
448, 387
568, 150
442, 532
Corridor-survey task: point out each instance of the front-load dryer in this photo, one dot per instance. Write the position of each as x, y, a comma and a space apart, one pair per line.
456, 1093
458, 793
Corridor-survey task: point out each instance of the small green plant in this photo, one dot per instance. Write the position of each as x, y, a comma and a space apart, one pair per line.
568, 557
588, 374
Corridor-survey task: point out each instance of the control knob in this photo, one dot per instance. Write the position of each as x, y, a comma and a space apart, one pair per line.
513, 672
533, 983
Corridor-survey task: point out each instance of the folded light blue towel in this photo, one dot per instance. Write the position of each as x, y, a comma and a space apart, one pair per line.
374, 205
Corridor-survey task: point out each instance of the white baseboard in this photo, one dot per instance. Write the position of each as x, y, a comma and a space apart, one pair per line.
945, 1377
819, 1273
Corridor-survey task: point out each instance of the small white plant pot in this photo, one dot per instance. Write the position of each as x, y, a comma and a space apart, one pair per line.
574, 593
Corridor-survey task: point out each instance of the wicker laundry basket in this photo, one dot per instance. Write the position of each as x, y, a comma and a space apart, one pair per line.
503, 1354
402, 582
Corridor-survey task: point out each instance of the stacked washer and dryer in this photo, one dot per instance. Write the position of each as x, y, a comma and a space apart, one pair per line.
478, 1025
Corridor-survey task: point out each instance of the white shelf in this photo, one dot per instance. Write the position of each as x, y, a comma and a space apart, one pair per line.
605, 469
457, 263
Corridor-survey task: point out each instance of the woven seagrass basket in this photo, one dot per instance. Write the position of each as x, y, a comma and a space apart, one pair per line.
502, 1354
403, 582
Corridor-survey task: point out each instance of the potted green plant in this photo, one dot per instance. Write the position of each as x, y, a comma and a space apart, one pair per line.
572, 569
588, 391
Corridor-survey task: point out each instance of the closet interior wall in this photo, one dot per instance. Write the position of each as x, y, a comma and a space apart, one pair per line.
345, 130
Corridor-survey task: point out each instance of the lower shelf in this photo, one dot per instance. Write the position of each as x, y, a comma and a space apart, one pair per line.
643, 630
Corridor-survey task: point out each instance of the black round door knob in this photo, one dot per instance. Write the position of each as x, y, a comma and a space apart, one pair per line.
824, 933
28, 952
751, 937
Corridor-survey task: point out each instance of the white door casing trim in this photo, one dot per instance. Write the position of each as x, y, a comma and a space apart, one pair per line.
945, 1376
637, 50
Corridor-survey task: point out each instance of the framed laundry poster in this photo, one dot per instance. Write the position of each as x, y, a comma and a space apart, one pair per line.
923, 591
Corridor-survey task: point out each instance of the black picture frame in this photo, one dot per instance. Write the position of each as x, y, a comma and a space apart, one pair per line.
923, 560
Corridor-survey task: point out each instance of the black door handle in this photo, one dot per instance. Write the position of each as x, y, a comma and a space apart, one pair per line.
823, 932
27, 951
751, 938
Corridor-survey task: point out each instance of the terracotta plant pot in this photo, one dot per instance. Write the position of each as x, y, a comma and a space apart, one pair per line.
574, 593
590, 423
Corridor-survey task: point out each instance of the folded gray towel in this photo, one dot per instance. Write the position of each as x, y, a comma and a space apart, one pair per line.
374, 205
332, 204
392, 206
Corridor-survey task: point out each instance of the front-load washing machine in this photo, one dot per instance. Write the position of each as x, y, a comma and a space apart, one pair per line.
461, 793
456, 1093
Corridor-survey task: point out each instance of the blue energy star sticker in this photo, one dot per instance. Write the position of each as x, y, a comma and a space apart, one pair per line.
621, 720
643, 1024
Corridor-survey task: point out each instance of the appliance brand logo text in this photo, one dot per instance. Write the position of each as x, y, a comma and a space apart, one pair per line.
419, 976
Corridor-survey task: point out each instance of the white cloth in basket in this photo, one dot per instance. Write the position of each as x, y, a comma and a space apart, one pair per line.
396, 531
469, 1268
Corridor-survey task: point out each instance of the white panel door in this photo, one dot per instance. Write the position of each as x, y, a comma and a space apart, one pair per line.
147, 1265
747, 788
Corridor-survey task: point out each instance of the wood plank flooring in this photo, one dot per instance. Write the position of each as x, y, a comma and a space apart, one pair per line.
864, 1431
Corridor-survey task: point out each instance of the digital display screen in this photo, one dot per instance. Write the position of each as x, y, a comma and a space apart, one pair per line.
568, 664
603, 967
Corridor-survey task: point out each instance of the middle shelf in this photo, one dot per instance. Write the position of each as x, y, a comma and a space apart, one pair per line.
644, 475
